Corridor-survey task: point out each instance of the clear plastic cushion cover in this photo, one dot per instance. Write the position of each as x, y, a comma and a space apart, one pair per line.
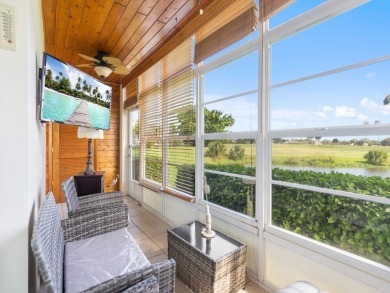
94, 260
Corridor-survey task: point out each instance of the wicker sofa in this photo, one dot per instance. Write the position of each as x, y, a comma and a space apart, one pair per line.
89, 203
93, 252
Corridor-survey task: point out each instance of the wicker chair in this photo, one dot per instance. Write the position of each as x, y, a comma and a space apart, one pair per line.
54, 242
89, 203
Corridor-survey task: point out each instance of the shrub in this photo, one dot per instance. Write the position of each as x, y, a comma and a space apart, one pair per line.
320, 160
230, 192
215, 149
376, 157
153, 169
386, 142
291, 161
236, 153
357, 226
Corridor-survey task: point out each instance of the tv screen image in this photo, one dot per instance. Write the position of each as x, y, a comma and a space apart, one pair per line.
71, 96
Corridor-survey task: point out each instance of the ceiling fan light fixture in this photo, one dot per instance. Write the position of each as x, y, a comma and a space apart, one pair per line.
103, 71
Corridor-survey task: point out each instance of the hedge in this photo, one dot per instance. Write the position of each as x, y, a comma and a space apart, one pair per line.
361, 227
357, 226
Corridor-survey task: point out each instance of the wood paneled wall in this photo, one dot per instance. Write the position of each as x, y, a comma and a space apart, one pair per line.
66, 154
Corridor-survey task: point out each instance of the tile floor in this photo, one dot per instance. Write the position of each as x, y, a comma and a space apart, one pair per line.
150, 233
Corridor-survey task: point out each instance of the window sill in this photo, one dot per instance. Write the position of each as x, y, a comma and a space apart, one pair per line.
167, 191
176, 194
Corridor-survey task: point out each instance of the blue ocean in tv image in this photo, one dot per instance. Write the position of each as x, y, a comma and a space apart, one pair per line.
71, 96
100, 116
59, 107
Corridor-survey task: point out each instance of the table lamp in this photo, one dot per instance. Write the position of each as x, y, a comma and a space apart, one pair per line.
90, 133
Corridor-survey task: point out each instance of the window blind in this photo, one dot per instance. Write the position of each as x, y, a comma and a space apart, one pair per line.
150, 107
271, 7
230, 33
234, 10
178, 133
130, 94
166, 123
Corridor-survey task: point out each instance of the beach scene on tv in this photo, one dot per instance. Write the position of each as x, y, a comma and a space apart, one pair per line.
73, 97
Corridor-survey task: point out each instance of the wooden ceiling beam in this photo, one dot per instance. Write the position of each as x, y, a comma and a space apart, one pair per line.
163, 35
130, 18
84, 28
93, 35
211, 11
49, 16
62, 14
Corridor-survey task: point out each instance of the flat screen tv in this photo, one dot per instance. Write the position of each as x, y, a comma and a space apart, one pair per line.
71, 96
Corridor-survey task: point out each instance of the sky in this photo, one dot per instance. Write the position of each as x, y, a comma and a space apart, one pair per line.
352, 97
72, 74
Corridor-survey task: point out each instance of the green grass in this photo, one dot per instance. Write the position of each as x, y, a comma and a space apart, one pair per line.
322, 155
289, 154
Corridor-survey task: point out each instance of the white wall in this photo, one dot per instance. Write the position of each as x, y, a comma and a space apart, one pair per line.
21, 168
287, 262
173, 210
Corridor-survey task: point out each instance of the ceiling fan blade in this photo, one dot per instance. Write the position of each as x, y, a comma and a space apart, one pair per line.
88, 58
85, 65
121, 70
112, 60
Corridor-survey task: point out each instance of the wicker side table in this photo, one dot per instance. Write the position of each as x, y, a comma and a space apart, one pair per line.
207, 265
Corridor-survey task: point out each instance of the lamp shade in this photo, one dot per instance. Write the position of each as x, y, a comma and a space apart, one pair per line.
84, 132
103, 71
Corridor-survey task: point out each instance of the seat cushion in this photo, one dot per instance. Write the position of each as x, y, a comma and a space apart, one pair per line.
94, 260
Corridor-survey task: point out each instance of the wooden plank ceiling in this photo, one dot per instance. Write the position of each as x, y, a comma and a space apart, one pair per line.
131, 30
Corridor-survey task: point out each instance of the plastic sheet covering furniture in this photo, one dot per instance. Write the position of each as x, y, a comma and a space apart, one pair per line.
98, 259
52, 247
89, 203
207, 265
300, 287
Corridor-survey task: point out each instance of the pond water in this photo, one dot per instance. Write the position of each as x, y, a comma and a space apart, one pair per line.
375, 171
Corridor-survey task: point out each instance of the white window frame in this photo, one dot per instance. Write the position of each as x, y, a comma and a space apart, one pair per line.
306, 20
131, 142
228, 215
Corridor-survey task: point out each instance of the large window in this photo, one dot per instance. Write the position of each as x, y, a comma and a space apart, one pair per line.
329, 122
306, 138
228, 106
167, 124
230, 123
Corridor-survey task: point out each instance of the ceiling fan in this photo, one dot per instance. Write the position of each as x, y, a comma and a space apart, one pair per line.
103, 64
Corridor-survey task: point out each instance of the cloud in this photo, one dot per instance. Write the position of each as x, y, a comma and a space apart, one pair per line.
374, 107
321, 114
369, 104
362, 117
281, 125
370, 74
327, 109
73, 75
243, 109
289, 114
386, 109
345, 112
